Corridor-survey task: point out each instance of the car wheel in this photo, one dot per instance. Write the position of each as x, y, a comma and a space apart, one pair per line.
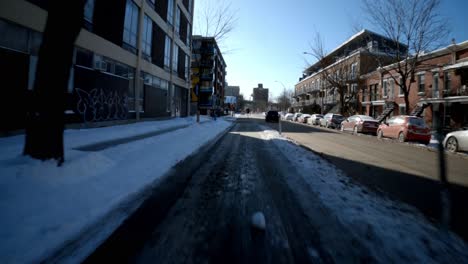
355, 130
379, 134
452, 144
401, 137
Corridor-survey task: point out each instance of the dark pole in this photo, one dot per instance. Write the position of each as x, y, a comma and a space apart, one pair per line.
444, 192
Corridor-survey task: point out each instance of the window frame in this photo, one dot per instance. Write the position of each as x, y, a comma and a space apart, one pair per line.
132, 12
421, 82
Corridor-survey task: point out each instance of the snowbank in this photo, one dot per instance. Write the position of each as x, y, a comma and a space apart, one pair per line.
44, 206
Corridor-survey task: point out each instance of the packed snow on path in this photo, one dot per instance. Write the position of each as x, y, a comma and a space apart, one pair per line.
392, 231
43, 206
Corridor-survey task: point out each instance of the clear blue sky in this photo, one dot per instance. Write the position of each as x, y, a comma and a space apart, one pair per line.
270, 37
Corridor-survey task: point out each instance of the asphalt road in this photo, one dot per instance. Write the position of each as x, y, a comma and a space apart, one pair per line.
401, 171
209, 221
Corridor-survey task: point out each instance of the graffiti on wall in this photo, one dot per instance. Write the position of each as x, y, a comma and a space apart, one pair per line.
100, 105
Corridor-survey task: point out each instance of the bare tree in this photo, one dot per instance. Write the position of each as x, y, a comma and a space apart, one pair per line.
414, 27
215, 19
45, 113
284, 99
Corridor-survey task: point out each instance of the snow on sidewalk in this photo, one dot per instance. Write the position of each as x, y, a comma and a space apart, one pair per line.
392, 231
44, 206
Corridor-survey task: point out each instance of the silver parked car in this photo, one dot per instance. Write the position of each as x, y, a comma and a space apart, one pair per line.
457, 140
314, 119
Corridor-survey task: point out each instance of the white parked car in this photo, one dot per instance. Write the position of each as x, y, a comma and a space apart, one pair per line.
288, 116
296, 116
457, 140
315, 119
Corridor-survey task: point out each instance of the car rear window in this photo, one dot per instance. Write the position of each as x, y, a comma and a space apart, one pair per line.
417, 122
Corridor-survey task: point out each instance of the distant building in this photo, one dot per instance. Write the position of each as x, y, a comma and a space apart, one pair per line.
232, 91
260, 98
208, 74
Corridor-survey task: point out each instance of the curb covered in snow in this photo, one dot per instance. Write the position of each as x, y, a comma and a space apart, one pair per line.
98, 232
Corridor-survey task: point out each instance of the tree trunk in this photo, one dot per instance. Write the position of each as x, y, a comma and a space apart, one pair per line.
342, 103
407, 104
45, 113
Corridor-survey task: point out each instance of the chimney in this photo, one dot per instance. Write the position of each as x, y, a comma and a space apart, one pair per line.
260, 85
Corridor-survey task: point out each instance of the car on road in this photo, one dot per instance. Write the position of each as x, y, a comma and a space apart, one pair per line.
457, 140
405, 128
272, 116
360, 124
314, 119
303, 118
288, 116
331, 120
296, 116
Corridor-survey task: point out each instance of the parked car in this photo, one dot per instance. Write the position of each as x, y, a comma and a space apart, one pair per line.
296, 116
272, 116
405, 128
331, 120
303, 118
288, 116
457, 140
360, 124
314, 119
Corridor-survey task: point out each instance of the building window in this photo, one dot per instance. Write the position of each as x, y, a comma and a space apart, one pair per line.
170, 11
131, 25
175, 57
13, 36
177, 21
353, 70
84, 58
188, 34
187, 67
402, 109
167, 53
147, 37
89, 11
447, 82
421, 81
391, 91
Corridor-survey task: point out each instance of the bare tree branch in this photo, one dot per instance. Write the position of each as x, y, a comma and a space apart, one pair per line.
417, 24
216, 19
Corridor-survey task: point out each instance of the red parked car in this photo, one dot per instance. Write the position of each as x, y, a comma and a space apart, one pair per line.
405, 128
360, 124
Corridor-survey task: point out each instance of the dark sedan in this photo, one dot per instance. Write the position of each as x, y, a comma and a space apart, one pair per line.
272, 116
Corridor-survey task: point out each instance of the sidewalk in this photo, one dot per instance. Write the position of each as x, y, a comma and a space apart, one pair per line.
46, 208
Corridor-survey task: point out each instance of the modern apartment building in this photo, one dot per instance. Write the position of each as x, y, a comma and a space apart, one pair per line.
317, 90
208, 75
260, 98
440, 86
131, 59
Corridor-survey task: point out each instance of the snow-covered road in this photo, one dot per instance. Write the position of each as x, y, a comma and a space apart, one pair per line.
313, 213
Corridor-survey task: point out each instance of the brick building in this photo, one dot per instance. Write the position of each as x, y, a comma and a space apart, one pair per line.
260, 98
439, 85
317, 91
